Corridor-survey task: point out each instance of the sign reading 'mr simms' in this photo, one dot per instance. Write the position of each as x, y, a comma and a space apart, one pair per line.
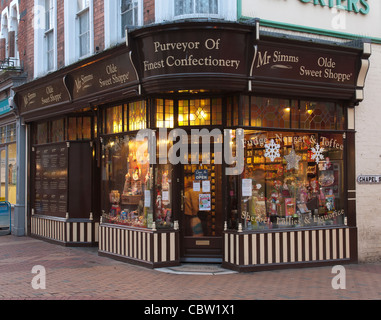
304, 64
106, 74
55, 92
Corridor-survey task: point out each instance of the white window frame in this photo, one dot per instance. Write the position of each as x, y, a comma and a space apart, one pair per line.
165, 11
113, 21
79, 15
5, 28
40, 38
14, 26
71, 21
49, 31
197, 15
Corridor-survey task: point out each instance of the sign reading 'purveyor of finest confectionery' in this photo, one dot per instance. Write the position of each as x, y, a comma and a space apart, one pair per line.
279, 61
194, 51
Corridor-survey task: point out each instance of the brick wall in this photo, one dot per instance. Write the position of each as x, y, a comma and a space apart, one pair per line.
149, 11
60, 34
26, 37
99, 27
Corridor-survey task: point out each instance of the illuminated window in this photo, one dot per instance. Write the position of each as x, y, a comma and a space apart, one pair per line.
164, 113
200, 112
137, 115
114, 120
317, 115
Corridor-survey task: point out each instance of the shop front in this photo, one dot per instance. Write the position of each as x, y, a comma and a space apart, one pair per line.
201, 142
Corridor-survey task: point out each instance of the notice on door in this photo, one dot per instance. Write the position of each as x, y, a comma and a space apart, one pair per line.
205, 202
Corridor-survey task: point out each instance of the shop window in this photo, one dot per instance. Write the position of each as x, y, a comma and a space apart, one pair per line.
11, 133
58, 130
127, 182
268, 112
318, 115
42, 133
290, 180
200, 112
137, 115
114, 120
232, 111
8, 161
164, 113
163, 196
12, 172
191, 7
79, 128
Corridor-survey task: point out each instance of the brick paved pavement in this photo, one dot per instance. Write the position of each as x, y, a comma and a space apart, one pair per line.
80, 274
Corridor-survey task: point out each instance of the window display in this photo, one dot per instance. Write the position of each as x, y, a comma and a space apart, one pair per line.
290, 180
127, 182
163, 197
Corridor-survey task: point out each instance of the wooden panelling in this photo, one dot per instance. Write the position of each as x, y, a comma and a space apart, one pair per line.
70, 233
288, 247
140, 246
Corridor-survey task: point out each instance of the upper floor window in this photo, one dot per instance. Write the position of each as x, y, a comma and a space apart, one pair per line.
79, 29
168, 10
49, 34
129, 14
120, 15
83, 16
45, 36
190, 7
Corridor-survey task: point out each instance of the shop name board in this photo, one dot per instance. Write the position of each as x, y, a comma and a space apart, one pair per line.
44, 96
209, 51
4, 107
191, 60
356, 6
371, 179
51, 96
101, 76
306, 65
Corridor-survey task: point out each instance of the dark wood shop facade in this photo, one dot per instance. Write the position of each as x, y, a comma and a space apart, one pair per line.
113, 162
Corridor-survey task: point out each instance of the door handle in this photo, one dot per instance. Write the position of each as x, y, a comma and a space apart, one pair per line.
182, 200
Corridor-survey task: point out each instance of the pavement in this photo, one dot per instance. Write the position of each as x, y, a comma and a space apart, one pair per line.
80, 274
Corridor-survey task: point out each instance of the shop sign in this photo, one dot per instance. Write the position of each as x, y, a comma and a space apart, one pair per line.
4, 107
356, 6
102, 75
201, 175
193, 51
303, 64
44, 96
372, 179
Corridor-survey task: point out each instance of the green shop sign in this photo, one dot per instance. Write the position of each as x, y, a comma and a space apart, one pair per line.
357, 6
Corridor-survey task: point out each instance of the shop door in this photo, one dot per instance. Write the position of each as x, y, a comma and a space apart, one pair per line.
201, 221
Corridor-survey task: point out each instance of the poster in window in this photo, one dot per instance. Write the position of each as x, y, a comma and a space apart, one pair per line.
205, 201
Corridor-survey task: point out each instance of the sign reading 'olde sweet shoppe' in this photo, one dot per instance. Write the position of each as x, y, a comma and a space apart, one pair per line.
304, 64
55, 92
101, 76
